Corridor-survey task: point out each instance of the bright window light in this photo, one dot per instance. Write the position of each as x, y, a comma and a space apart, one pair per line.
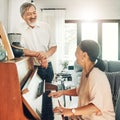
70, 43
89, 31
110, 41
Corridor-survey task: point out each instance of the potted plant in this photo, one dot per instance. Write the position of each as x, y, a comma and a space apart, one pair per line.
65, 64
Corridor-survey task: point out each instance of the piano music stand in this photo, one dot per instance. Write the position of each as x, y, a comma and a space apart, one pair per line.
29, 95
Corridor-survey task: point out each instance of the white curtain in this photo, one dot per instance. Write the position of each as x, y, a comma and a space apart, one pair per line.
56, 19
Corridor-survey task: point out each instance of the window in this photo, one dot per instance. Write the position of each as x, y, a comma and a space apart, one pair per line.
105, 32
89, 31
70, 42
110, 41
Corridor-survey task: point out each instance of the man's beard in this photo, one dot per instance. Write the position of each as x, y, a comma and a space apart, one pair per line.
32, 23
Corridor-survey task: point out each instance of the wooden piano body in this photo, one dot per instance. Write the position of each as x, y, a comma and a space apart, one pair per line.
19, 84
15, 89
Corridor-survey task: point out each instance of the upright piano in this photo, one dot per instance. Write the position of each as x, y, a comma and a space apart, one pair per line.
20, 87
19, 84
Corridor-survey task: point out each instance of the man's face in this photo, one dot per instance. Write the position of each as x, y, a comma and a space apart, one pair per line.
30, 16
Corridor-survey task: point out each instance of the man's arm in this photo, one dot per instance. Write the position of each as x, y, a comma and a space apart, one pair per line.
30, 53
40, 55
49, 53
45, 55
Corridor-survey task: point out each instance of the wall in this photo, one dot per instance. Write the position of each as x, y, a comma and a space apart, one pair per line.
104, 9
4, 12
14, 17
76, 9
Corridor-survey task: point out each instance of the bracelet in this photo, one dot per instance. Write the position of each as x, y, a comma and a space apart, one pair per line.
73, 111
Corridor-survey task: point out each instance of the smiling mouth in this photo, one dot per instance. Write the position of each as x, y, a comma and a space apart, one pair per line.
32, 19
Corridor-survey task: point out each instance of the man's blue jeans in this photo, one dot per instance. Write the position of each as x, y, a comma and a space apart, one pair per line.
47, 75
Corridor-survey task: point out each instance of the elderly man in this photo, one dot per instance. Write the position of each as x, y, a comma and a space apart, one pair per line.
39, 43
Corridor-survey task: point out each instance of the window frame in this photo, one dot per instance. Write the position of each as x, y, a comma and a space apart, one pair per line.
100, 21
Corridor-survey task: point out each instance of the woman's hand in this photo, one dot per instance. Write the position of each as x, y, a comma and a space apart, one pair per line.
56, 94
63, 111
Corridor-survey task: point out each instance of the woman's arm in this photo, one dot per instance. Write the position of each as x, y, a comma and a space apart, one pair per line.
85, 110
71, 92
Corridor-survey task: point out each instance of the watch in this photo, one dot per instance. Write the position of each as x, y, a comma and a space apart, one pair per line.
73, 111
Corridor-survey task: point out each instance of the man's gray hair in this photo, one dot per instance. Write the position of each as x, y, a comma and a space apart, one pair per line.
25, 6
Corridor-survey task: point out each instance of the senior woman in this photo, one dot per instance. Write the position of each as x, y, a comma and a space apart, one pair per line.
94, 92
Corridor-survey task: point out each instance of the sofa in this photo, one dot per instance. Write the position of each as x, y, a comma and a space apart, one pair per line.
112, 66
112, 69
113, 74
117, 107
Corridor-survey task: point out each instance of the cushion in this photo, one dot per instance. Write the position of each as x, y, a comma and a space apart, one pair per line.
117, 107
114, 79
106, 65
113, 66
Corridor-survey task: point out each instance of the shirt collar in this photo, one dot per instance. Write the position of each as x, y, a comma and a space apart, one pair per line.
26, 26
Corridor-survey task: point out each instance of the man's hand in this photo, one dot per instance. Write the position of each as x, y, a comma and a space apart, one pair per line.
31, 53
42, 55
42, 58
44, 63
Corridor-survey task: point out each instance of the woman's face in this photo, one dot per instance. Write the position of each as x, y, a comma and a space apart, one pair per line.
79, 56
30, 16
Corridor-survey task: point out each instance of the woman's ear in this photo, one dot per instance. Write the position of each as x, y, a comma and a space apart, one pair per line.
85, 54
83, 57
